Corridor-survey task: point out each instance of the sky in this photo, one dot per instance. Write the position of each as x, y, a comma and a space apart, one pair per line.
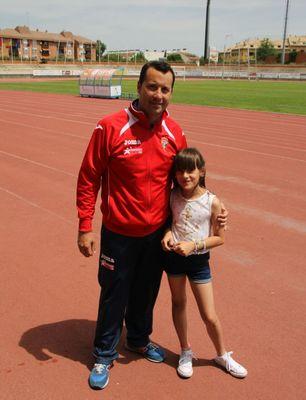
158, 24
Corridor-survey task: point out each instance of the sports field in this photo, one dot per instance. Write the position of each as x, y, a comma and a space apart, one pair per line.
280, 97
256, 163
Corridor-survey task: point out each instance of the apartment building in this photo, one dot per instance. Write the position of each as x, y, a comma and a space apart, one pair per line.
246, 50
24, 44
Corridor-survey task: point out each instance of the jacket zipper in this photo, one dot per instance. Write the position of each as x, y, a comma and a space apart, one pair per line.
149, 174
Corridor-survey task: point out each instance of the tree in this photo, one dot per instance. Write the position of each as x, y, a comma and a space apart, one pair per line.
203, 60
265, 49
292, 56
138, 57
100, 49
174, 57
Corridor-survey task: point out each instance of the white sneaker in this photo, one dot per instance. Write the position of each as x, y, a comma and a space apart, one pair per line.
184, 368
227, 362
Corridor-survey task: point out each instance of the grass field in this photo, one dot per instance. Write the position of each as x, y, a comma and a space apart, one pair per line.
283, 97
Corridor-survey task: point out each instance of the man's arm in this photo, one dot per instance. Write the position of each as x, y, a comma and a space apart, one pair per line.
89, 181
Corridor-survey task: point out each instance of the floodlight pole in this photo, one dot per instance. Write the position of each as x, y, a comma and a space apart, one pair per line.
285, 33
206, 55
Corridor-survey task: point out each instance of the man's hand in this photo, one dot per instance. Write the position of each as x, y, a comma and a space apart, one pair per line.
222, 218
167, 241
87, 243
184, 248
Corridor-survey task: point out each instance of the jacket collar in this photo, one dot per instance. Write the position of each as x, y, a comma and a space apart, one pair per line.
141, 116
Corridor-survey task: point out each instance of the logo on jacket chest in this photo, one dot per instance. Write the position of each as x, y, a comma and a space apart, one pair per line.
132, 142
131, 147
164, 142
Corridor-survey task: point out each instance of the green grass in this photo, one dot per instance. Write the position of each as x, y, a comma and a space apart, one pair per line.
63, 87
284, 97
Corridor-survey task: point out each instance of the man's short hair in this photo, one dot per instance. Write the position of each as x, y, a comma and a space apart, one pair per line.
160, 66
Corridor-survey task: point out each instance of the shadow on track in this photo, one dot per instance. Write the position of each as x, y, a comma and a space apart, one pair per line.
73, 339
70, 339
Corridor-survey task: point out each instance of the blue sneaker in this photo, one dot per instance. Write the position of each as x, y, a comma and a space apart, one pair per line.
151, 352
99, 376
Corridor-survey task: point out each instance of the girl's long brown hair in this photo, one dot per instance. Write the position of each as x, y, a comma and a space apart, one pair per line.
188, 160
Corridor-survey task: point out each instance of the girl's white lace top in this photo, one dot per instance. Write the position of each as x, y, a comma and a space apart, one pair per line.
191, 217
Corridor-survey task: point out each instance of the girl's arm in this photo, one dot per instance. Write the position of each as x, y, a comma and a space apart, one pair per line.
218, 232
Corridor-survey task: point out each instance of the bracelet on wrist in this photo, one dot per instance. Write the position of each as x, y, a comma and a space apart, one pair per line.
199, 245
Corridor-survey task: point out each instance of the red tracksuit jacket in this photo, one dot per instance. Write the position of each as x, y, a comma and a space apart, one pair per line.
133, 163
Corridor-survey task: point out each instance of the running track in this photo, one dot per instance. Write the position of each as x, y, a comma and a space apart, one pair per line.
256, 163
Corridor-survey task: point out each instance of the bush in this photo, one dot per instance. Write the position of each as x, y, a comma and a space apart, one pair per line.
174, 57
292, 56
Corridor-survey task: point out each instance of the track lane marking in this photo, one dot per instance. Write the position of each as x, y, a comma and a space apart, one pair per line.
246, 151
31, 203
37, 163
43, 129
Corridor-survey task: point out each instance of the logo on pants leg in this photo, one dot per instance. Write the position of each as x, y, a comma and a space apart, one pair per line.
107, 262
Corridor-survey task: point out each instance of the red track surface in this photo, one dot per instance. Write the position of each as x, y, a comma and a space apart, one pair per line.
256, 164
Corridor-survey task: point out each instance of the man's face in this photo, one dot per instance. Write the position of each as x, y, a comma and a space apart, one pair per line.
155, 93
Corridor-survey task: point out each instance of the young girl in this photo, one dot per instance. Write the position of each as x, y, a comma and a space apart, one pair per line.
193, 233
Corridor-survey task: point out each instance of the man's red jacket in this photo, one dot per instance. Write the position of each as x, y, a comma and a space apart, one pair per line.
133, 161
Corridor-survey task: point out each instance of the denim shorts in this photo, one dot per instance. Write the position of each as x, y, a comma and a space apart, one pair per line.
195, 267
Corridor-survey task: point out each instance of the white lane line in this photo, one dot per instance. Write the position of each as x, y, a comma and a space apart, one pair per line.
89, 113
242, 119
259, 142
244, 150
241, 113
261, 187
44, 129
17, 196
245, 182
270, 218
63, 102
57, 106
37, 163
256, 129
46, 116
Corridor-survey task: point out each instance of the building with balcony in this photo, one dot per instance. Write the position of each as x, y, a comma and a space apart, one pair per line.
24, 44
246, 50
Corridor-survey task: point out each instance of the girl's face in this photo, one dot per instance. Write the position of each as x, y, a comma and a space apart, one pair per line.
189, 180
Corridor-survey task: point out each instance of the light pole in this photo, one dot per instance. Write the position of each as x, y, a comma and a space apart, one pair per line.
285, 32
206, 45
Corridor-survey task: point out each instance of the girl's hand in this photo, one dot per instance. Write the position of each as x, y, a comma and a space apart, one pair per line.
167, 241
183, 248
222, 217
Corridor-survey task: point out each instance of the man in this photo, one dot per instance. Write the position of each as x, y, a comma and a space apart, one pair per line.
131, 152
